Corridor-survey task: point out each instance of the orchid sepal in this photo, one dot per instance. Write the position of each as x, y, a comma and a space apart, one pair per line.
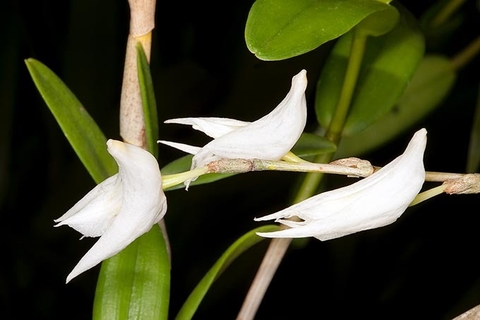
121, 208
373, 202
270, 137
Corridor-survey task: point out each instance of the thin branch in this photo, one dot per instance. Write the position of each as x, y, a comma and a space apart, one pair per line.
268, 267
352, 167
447, 11
471, 314
466, 55
454, 183
132, 120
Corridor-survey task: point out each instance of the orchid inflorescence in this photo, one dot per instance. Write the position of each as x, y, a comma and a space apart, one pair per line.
126, 205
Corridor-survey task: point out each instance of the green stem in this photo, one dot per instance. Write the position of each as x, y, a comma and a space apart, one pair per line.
357, 51
466, 55
430, 193
334, 131
446, 12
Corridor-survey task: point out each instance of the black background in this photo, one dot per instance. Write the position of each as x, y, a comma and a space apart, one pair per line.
423, 266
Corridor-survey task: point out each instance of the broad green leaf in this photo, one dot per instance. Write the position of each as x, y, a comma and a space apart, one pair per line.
387, 67
238, 247
379, 23
135, 283
148, 101
281, 29
431, 83
82, 132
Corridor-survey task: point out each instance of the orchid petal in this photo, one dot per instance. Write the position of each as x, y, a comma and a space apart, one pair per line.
91, 216
269, 137
373, 202
132, 200
212, 127
124, 230
181, 146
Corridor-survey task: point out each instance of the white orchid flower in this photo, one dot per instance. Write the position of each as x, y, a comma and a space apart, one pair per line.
373, 202
269, 138
121, 208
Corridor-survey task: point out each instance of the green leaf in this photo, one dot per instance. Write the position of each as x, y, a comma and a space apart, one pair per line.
311, 145
82, 132
179, 165
148, 101
388, 65
379, 23
431, 83
135, 283
238, 247
281, 29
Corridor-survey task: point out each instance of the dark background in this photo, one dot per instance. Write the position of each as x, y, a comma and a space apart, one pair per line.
423, 266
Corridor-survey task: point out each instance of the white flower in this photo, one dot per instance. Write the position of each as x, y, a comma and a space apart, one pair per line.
268, 138
121, 208
373, 202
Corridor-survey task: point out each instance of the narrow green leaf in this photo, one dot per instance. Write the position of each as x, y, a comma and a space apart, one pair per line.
238, 247
148, 101
388, 65
179, 165
431, 83
82, 132
135, 283
281, 29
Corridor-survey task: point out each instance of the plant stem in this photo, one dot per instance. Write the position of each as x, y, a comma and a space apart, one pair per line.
111, 293
466, 55
446, 12
278, 247
357, 51
274, 255
430, 193
353, 167
142, 22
